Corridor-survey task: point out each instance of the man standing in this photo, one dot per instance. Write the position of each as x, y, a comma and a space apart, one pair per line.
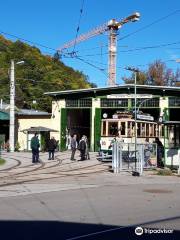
73, 146
51, 148
82, 147
35, 148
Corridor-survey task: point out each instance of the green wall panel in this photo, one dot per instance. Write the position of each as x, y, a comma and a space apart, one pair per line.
97, 128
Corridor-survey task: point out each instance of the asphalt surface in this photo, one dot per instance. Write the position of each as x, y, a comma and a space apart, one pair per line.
84, 200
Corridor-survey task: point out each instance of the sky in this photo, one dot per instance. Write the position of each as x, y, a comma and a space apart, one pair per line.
54, 23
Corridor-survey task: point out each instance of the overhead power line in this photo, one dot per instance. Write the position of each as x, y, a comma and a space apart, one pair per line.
135, 49
78, 27
26, 40
92, 65
151, 24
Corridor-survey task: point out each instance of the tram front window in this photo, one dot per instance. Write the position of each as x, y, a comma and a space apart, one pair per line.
113, 128
104, 129
123, 128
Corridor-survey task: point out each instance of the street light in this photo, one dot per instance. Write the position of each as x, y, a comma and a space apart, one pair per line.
12, 104
135, 71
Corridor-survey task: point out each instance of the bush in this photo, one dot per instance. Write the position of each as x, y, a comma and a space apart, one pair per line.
2, 161
17, 147
164, 172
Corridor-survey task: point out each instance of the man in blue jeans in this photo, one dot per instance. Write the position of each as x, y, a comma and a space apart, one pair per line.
35, 148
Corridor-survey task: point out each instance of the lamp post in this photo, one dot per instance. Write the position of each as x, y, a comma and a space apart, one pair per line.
12, 105
135, 71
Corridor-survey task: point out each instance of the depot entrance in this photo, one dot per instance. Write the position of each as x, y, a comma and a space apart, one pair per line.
78, 122
74, 121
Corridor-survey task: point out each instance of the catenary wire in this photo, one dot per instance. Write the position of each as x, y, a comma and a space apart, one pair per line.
78, 27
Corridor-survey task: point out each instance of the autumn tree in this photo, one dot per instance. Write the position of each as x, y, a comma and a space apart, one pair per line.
156, 74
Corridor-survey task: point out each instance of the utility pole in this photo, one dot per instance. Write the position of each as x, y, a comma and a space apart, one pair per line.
12, 108
12, 105
135, 71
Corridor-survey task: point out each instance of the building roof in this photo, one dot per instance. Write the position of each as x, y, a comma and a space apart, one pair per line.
4, 115
39, 129
31, 112
118, 89
23, 112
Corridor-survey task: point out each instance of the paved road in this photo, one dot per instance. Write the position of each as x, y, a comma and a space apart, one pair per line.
84, 202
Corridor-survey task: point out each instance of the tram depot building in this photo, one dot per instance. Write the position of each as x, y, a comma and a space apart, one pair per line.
81, 111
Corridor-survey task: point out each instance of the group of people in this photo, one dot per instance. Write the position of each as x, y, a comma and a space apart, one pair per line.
82, 147
52, 145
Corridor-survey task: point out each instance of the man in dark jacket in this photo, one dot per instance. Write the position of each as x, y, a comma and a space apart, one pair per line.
160, 152
82, 148
35, 148
73, 146
51, 148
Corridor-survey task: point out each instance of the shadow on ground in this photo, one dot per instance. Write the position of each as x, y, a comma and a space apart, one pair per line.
55, 230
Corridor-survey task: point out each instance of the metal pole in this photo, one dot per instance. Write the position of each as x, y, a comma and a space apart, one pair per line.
135, 119
12, 107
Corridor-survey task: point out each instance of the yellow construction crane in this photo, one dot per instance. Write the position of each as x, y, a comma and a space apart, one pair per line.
112, 27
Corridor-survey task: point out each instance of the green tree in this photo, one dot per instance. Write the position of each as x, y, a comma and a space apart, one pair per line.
39, 74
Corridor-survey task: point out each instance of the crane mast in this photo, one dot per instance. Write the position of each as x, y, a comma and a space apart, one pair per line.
112, 27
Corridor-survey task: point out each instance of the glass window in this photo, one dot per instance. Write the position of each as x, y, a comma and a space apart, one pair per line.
143, 130
104, 128
138, 129
129, 130
147, 129
122, 128
113, 128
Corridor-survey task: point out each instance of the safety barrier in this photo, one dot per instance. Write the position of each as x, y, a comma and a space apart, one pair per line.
128, 157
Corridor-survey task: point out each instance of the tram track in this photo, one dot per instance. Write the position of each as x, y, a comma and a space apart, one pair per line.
12, 167
54, 177
15, 167
14, 178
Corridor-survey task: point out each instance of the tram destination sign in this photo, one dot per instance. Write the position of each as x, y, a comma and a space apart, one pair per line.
145, 117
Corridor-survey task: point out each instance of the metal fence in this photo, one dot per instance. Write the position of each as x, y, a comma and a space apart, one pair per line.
125, 158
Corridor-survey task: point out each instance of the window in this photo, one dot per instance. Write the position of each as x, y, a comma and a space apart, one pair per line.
122, 128
143, 129
113, 128
104, 128
147, 129
129, 130
138, 129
